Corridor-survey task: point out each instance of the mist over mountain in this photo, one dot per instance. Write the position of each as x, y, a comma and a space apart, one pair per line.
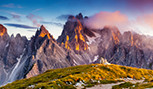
77, 45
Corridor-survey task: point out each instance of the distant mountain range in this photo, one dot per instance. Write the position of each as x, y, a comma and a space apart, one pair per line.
77, 45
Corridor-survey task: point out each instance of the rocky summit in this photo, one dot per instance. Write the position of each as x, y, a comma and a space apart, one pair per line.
77, 45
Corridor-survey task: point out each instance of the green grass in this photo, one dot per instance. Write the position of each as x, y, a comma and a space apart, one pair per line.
134, 86
143, 86
123, 85
89, 75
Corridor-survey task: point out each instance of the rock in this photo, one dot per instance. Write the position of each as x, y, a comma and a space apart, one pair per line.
11, 49
104, 61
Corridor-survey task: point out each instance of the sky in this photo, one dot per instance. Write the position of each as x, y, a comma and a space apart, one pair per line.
26, 16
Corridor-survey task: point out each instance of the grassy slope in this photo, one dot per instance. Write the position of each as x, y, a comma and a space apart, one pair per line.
88, 74
134, 86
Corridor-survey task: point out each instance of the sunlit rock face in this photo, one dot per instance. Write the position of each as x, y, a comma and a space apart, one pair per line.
3, 30
74, 30
44, 32
50, 55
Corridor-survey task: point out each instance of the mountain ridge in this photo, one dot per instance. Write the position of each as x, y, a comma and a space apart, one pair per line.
77, 45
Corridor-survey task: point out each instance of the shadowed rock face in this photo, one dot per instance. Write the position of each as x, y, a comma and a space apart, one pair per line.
10, 50
130, 49
50, 55
77, 45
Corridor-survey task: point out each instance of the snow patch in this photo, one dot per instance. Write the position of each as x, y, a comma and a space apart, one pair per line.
7, 45
95, 58
75, 62
16, 66
31, 86
92, 39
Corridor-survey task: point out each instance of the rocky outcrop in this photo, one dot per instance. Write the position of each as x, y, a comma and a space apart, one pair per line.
3, 30
51, 55
129, 49
11, 49
73, 35
47, 55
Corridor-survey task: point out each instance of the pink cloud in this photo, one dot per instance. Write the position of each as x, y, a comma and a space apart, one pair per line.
35, 19
146, 19
142, 24
99, 20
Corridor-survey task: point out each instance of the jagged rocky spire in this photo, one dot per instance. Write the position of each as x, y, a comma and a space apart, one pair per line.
3, 30
74, 31
44, 32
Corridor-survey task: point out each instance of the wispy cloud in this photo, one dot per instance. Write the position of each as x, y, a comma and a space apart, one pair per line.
11, 5
4, 18
52, 23
31, 30
14, 15
20, 26
35, 19
63, 17
37, 10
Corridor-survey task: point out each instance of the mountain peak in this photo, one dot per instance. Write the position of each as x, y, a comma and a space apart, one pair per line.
73, 34
3, 30
43, 29
79, 16
44, 32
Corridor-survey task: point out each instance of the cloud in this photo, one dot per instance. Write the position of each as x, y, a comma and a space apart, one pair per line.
20, 26
99, 20
11, 5
63, 17
4, 18
52, 23
15, 15
31, 30
35, 19
37, 10
142, 24
146, 19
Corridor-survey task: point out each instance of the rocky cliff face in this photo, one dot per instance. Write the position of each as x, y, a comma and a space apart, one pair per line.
74, 34
130, 49
77, 45
51, 55
11, 48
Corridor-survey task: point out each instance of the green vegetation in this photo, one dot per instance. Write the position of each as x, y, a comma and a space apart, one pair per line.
134, 86
143, 86
85, 75
123, 85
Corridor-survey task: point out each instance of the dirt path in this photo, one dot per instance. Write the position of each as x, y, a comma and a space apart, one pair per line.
109, 86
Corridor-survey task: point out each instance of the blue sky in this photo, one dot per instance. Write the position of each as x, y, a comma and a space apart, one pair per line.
30, 14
